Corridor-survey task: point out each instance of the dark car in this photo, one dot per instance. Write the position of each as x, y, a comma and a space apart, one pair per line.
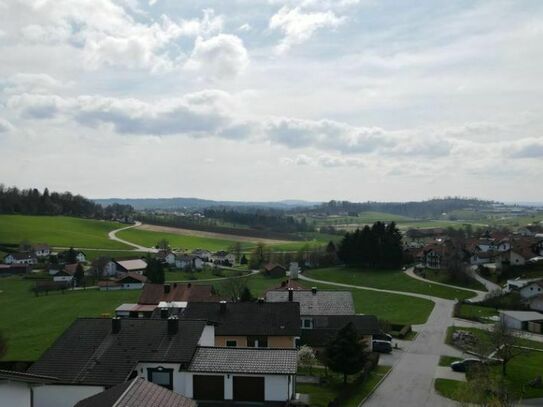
465, 365
382, 346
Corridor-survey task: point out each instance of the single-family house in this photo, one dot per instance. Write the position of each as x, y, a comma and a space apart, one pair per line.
130, 281
435, 255
79, 255
189, 262
224, 258
166, 256
248, 324
523, 320
41, 250
137, 392
94, 355
203, 254
17, 388
315, 303
274, 270
20, 258
63, 276
131, 266
532, 289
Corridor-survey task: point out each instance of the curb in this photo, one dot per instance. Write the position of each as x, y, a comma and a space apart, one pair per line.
375, 387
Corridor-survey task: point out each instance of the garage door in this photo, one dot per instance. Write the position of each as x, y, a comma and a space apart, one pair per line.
208, 387
248, 388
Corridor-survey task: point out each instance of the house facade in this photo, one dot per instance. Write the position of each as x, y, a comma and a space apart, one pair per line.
20, 258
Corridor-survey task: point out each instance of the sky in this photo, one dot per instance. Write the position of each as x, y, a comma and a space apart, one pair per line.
267, 100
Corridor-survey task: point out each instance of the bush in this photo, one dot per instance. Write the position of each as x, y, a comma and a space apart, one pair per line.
217, 272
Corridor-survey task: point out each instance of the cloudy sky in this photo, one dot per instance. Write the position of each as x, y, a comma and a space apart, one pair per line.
273, 99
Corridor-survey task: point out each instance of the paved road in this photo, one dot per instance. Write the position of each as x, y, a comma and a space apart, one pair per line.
113, 236
411, 380
490, 285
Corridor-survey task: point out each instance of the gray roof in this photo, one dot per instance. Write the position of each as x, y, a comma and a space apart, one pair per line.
524, 316
321, 302
138, 392
25, 377
244, 360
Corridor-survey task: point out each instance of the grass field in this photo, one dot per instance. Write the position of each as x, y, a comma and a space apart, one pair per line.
59, 231
321, 394
447, 360
387, 279
32, 323
440, 276
477, 312
114, 254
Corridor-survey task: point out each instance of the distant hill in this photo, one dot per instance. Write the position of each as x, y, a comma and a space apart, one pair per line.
197, 203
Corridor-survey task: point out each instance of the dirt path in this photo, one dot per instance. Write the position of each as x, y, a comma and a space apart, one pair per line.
113, 236
213, 235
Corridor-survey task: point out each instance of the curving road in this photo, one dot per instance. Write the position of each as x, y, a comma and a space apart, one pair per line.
113, 236
411, 380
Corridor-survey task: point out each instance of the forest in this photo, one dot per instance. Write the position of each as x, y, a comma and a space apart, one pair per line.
33, 202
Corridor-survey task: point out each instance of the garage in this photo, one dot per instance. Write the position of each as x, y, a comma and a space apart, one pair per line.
248, 388
208, 387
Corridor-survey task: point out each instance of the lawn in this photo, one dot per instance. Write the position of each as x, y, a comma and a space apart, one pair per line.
202, 275
114, 254
477, 312
59, 231
150, 239
447, 360
321, 394
441, 276
395, 308
32, 323
387, 279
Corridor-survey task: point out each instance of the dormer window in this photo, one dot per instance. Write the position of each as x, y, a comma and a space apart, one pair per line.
161, 376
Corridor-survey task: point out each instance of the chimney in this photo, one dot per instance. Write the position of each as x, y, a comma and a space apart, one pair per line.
166, 288
290, 294
173, 325
314, 290
164, 313
222, 306
115, 325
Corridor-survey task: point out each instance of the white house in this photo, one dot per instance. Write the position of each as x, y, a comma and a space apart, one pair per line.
132, 265
189, 262
532, 289
205, 255
131, 281
20, 258
63, 276
41, 250
17, 388
167, 257
536, 303
224, 258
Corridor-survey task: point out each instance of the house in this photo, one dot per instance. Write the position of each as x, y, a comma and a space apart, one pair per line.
104, 267
532, 289
248, 324
79, 255
512, 257
137, 392
224, 258
536, 303
290, 283
96, 354
20, 258
130, 281
326, 327
17, 388
166, 256
131, 265
41, 250
189, 262
314, 303
205, 255
523, 320
170, 296
14, 269
274, 270
63, 276
435, 255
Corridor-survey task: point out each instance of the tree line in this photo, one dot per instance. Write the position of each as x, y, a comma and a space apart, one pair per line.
33, 202
377, 246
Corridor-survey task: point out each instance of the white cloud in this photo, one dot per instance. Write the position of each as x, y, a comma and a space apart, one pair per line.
245, 27
221, 57
5, 126
298, 26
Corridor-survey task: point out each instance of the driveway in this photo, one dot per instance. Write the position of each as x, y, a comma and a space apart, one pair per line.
411, 380
113, 236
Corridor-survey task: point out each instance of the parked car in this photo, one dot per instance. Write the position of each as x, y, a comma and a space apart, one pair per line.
382, 346
465, 365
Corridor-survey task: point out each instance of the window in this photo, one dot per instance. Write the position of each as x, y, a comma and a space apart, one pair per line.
161, 376
257, 341
307, 323
231, 343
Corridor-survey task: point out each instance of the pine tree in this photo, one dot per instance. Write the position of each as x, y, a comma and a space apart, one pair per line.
345, 353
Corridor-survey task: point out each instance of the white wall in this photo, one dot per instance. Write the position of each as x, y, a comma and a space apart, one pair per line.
531, 290
15, 394
511, 322
208, 336
63, 395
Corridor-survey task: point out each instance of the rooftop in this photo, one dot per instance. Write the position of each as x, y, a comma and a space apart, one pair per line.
524, 316
155, 293
317, 302
244, 360
133, 264
137, 393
